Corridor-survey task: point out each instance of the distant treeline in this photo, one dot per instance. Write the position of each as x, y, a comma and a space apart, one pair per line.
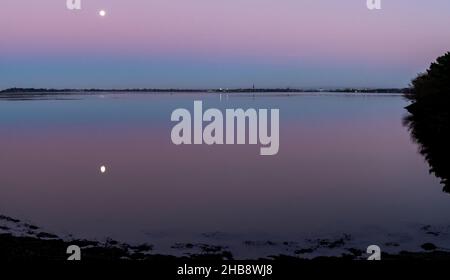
70, 90
256, 90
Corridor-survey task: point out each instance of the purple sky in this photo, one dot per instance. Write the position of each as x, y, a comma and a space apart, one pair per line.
219, 43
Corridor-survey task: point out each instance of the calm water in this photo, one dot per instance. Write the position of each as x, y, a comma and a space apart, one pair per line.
346, 165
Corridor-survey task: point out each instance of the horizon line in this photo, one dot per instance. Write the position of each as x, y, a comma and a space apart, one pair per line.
287, 88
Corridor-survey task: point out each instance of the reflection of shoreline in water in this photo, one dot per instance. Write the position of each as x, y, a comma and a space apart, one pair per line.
429, 128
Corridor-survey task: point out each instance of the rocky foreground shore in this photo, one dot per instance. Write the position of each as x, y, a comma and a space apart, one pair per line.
21, 241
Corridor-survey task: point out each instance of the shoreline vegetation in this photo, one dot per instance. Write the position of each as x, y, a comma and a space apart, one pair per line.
429, 118
19, 91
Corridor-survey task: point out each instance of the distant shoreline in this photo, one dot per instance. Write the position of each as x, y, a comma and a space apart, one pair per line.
220, 90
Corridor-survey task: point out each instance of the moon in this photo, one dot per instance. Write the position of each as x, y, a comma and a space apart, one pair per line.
102, 13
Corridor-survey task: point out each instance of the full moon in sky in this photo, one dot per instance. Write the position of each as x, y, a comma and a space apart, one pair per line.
102, 169
102, 13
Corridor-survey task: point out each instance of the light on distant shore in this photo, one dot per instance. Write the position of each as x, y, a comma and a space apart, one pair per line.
102, 13
102, 169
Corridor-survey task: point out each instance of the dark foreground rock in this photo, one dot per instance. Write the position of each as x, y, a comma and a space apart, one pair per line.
14, 248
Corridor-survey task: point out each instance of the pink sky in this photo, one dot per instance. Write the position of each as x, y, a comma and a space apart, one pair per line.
405, 34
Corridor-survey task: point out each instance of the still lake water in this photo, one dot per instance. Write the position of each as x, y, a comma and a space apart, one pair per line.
346, 164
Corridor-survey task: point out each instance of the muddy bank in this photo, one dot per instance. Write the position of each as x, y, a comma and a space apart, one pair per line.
24, 241
35, 249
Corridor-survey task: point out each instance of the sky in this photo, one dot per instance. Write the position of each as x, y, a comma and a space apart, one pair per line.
219, 43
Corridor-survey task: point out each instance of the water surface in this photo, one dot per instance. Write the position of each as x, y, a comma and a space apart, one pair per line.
346, 164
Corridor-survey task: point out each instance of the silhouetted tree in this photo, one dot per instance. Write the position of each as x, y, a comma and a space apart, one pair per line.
433, 86
429, 119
